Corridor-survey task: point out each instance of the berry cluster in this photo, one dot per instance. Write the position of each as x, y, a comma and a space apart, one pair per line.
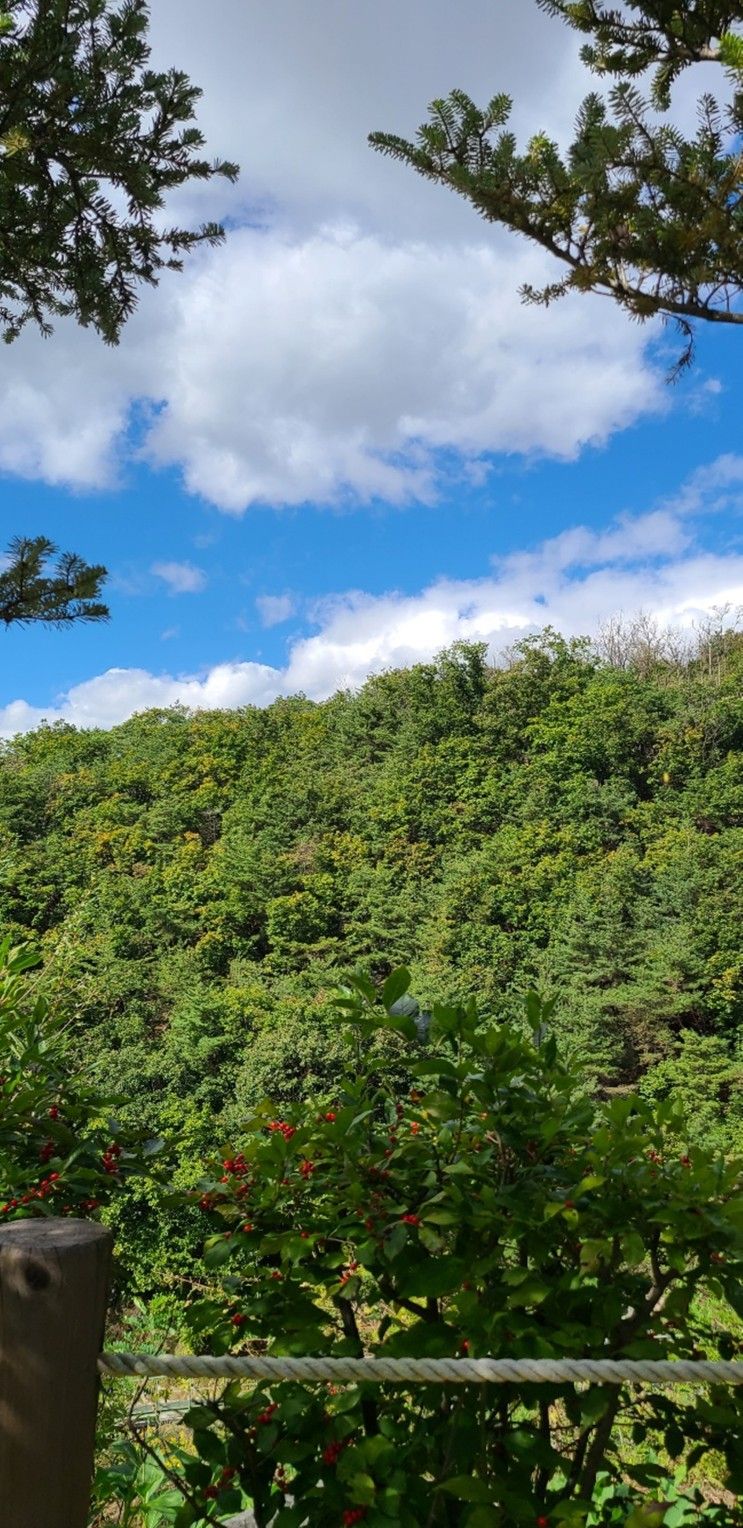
354, 1515
237, 1167
282, 1127
332, 1451
42, 1190
210, 1493
110, 1159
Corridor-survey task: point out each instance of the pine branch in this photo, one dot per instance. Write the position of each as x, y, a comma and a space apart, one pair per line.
633, 209
34, 589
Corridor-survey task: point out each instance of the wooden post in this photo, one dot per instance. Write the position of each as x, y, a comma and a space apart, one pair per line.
53, 1292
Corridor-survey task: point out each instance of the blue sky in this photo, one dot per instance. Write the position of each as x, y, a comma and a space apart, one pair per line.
339, 442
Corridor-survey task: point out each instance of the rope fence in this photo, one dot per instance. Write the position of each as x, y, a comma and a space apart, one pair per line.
55, 1280
427, 1371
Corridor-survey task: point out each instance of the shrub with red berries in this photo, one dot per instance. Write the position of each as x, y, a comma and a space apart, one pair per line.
59, 1153
521, 1218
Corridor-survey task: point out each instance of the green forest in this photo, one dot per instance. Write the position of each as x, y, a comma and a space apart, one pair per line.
200, 882
440, 984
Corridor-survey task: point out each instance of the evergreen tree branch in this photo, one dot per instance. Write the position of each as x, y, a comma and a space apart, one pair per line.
33, 589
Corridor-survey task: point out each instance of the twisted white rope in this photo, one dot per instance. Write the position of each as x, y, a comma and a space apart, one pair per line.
403, 1371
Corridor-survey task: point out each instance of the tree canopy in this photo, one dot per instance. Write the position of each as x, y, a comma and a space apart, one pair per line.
570, 823
35, 588
92, 140
634, 209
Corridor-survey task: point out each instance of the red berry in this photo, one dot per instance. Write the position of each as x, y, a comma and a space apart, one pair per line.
543, 1522
411, 1220
237, 1319
210, 1492
330, 1116
54, 1112
569, 1204
248, 1227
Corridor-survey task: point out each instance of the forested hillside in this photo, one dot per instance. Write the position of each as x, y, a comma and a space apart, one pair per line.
198, 881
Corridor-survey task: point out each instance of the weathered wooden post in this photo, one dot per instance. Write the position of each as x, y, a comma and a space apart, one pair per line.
54, 1279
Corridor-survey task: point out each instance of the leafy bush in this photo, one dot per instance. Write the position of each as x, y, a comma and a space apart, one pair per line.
60, 1153
493, 1209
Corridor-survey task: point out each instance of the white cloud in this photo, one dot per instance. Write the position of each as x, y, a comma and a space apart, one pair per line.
361, 335
273, 609
712, 489
340, 365
337, 367
572, 581
180, 577
292, 91
111, 697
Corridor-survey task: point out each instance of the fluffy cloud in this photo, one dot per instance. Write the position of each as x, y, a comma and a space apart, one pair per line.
180, 577
572, 581
341, 365
330, 367
358, 330
292, 91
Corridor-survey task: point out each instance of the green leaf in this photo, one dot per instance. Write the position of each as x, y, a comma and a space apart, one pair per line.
531, 1292
633, 1249
468, 1488
199, 1416
395, 1241
430, 1238
362, 1489
209, 1447
217, 1252
396, 985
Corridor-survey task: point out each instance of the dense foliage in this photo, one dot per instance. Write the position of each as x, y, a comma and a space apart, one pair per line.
490, 1208
61, 1152
570, 822
635, 209
199, 882
92, 140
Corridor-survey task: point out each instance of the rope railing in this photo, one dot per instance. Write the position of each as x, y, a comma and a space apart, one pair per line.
427, 1371
54, 1276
